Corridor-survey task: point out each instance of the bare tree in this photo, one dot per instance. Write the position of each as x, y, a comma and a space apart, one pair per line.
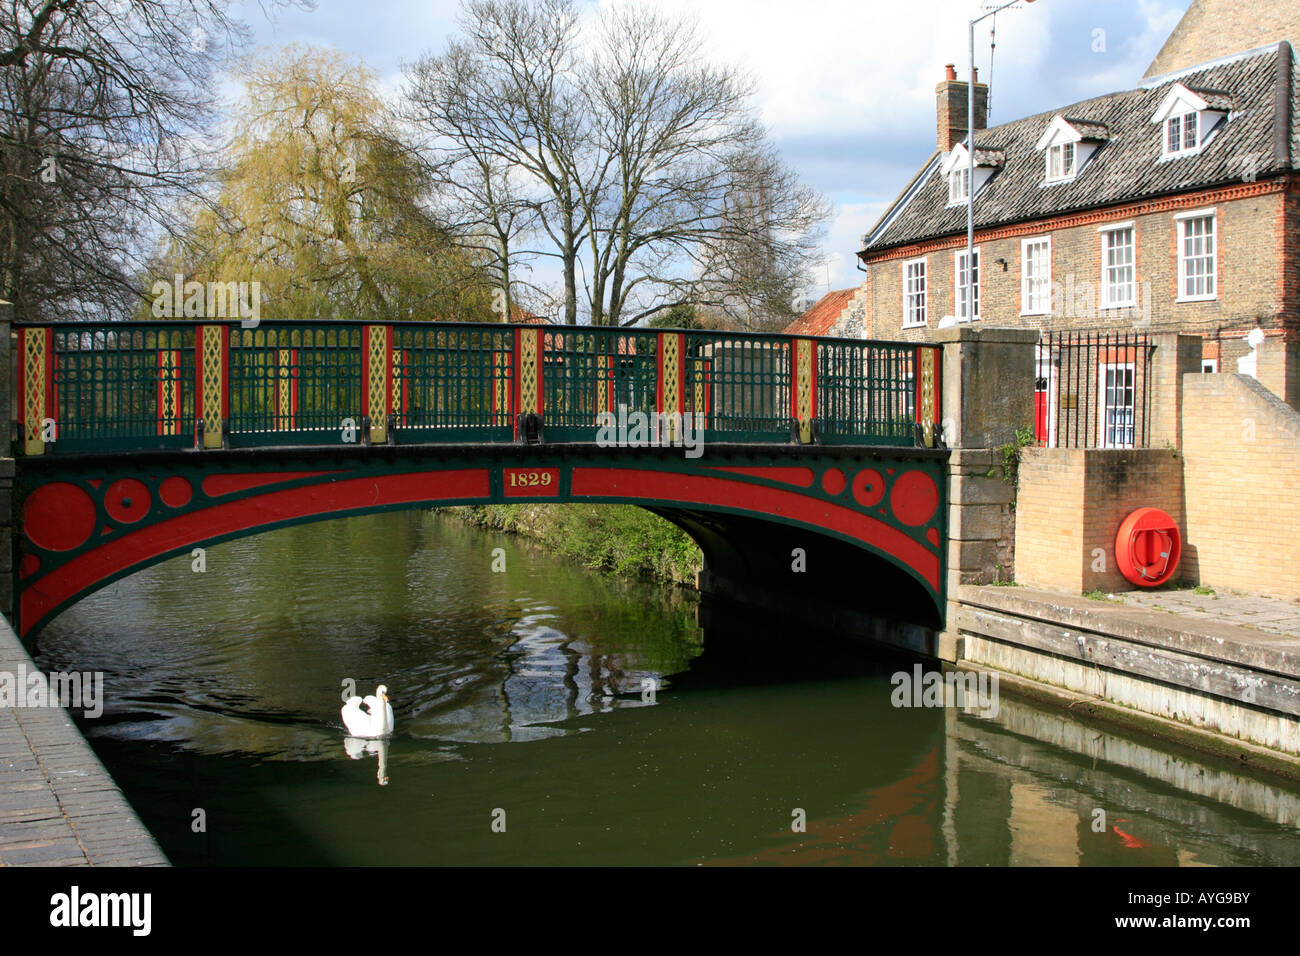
639, 153
502, 106
104, 110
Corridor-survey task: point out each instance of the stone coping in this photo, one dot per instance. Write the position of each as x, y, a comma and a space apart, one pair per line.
1208, 639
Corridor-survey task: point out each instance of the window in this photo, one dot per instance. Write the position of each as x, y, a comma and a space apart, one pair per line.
959, 185
1196, 257
1060, 162
1118, 281
1036, 276
960, 273
914, 293
1181, 134
1116, 391
1209, 366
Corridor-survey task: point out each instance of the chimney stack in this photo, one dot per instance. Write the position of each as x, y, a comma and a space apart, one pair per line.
950, 97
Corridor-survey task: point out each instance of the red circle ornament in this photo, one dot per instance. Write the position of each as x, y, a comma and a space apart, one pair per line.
868, 487
127, 500
58, 516
914, 498
175, 492
833, 481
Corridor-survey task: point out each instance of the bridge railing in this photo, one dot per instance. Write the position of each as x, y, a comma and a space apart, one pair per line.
144, 385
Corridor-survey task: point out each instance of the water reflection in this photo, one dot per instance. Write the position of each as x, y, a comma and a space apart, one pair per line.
356, 748
765, 744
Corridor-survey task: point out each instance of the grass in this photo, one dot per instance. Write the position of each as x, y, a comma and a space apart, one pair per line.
619, 538
1096, 595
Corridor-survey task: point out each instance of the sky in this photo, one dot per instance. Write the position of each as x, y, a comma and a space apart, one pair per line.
845, 87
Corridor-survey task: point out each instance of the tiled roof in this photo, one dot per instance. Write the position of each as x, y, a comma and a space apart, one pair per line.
819, 319
1089, 130
520, 315
1126, 166
1214, 99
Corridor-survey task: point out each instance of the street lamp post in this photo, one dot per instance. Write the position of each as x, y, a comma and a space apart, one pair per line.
970, 164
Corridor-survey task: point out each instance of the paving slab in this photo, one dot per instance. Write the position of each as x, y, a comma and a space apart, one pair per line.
58, 805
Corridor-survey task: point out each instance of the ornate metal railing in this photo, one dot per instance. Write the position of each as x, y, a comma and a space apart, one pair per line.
141, 385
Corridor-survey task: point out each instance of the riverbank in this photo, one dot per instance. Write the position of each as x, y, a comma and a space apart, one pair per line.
58, 805
621, 539
1199, 678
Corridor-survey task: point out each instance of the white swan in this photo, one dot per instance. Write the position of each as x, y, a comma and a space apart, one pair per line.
377, 723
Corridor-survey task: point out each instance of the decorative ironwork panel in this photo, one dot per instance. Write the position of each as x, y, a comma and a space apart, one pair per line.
213, 381
35, 359
378, 377
804, 389
928, 388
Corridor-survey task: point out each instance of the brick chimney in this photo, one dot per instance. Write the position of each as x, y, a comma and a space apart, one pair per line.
950, 98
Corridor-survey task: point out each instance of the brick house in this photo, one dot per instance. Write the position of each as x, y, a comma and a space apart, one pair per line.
839, 313
1170, 207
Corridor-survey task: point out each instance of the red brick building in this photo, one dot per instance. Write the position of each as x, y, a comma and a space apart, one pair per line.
1173, 206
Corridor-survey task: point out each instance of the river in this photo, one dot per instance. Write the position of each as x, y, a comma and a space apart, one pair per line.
549, 714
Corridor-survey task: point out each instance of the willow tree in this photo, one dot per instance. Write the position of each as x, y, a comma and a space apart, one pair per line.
325, 205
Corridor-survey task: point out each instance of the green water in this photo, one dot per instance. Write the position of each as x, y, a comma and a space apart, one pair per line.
527, 731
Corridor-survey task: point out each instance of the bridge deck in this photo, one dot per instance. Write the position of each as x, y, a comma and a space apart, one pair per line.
58, 805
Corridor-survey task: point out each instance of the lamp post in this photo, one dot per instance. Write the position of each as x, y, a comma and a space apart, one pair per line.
970, 163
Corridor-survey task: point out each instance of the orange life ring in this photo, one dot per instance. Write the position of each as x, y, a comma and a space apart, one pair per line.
1147, 547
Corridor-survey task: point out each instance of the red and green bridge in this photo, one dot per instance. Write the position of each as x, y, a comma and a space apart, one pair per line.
816, 474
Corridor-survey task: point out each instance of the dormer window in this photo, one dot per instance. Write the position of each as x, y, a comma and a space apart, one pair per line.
957, 168
1067, 145
959, 184
1060, 162
1189, 116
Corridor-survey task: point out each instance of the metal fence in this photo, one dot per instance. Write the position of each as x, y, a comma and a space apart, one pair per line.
1093, 390
101, 386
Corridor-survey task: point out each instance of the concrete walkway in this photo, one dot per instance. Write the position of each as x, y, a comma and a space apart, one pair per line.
1270, 614
58, 805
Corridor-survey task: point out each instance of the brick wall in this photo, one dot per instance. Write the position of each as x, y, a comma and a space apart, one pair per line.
1214, 28
1071, 503
1257, 226
1242, 474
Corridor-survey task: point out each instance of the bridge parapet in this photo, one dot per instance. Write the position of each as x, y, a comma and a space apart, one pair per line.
90, 387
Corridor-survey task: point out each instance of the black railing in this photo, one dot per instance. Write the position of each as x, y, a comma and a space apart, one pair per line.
1093, 390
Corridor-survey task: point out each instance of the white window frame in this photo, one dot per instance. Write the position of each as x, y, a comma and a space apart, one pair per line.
959, 175
924, 292
1067, 171
1183, 149
1104, 425
1026, 308
1181, 222
1209, 366
958, 286
1104, 234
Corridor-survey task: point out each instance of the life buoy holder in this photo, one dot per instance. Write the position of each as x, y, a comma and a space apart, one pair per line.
1147, 547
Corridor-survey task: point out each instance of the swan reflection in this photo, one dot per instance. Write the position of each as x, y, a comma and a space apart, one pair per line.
356, 748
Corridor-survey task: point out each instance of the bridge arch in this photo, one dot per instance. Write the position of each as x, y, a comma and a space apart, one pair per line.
88, 520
